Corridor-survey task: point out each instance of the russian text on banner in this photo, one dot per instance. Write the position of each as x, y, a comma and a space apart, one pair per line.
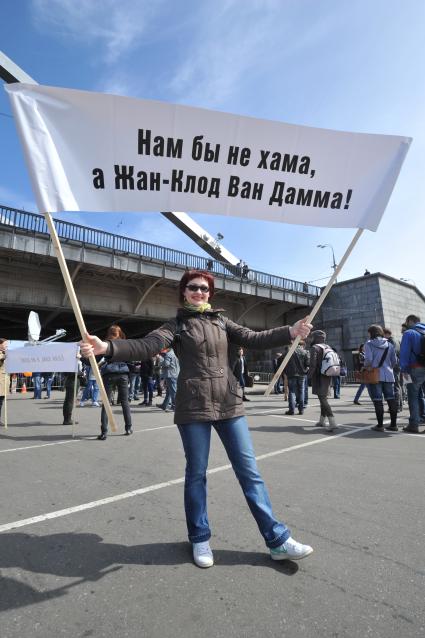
98, 152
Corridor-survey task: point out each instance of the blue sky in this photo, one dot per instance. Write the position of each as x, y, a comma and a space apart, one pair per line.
355, 66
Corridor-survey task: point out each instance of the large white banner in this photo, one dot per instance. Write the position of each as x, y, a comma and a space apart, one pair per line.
96, 152
50, 357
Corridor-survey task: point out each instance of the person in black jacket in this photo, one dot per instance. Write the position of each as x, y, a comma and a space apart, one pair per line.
240, 370
146, 377
296, 371
116, 374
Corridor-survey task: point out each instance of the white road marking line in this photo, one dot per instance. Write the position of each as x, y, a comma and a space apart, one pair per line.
291, 416
79, 439
32, 447
340, 425
158, 486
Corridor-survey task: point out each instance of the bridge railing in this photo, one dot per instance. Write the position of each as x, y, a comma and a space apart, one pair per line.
68, 231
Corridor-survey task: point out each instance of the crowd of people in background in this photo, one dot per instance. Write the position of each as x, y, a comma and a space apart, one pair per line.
401, 378
399, 375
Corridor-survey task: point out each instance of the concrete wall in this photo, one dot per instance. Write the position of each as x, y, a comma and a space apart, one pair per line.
398, 301
353, 305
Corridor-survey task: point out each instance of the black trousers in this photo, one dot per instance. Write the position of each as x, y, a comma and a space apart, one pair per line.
68, 402
119, 381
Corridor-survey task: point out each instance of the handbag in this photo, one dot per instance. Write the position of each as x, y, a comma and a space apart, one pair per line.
370, 376
249, 381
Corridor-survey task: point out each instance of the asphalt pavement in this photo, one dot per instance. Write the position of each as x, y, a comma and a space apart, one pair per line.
93, 536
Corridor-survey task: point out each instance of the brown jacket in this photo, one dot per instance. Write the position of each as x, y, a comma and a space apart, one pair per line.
206, 388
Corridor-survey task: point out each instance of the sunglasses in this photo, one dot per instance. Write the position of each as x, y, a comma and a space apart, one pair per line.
195, 288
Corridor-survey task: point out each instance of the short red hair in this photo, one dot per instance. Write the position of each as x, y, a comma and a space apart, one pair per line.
193, 274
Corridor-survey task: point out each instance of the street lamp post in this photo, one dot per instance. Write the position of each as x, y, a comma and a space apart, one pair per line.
334, 264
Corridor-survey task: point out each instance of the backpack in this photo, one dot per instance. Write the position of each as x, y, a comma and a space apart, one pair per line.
331, 364
420, 356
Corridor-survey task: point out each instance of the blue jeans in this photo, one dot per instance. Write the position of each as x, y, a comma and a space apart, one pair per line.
235, 436
336, 384
170, 393
134, 385
413, 394
359, 391
296, 393
305, 391
36, 378
91, 390
383, 388
48, 381
422, 402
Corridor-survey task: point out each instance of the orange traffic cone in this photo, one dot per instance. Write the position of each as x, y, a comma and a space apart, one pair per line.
24, 388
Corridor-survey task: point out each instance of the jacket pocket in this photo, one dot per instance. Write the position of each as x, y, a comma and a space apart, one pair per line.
235, 390
191, 394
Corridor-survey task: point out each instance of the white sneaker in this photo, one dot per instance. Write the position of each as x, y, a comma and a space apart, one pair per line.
81, 404
290, 550
202, 554
96, 404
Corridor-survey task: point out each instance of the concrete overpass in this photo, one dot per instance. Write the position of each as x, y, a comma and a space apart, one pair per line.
121, 279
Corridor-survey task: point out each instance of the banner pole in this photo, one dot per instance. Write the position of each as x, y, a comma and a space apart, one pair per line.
315, 310
78, 316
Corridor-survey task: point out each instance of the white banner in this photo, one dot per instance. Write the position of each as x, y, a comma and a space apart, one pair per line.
50, 357
96, 152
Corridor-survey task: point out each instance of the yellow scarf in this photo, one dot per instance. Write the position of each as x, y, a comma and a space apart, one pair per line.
201, 308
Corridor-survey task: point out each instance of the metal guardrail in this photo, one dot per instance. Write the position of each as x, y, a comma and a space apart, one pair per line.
67, 231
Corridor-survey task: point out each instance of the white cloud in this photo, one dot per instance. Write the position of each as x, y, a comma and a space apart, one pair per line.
231, 45
115, 27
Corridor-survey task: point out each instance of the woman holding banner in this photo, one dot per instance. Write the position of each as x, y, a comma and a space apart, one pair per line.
208, 396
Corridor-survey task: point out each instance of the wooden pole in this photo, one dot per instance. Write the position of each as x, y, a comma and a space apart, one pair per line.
79, 317
315, 310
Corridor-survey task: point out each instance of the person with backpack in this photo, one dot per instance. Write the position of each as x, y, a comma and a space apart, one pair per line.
412, 364
209, 397
324, 363
379, 353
